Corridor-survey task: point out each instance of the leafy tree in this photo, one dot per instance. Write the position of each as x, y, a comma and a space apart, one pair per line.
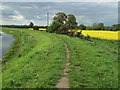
31, 24
54, 26
60, 17
62, 22
71, 21
82, 27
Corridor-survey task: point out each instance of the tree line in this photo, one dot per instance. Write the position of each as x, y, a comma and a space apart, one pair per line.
62, 22
31, 25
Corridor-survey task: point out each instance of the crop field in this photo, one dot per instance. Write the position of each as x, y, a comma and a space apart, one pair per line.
36, 59
43, 29
109, 35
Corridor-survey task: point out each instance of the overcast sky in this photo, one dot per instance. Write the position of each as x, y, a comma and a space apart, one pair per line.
86, 12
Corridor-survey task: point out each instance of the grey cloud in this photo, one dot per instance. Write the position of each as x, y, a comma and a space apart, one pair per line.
60, 0
86, 13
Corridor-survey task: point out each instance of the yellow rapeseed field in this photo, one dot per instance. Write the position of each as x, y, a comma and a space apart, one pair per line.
31, 28
110, 35
43, 29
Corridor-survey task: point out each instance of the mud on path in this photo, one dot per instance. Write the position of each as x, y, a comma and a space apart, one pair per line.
64, 81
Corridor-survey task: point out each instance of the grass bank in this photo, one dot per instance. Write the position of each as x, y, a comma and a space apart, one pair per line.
40, 59
37, 64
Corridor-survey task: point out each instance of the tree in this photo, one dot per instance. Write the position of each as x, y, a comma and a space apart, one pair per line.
71, 21
82, 27
98, 26
62, 22
88, 28
31, 24
116, 27
101, 26
54, 26
60, 17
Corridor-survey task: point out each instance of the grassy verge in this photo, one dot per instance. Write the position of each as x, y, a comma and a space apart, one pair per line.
94, 63
37, 64
40, 57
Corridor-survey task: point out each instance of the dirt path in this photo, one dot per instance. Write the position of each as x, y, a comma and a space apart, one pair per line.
64, 81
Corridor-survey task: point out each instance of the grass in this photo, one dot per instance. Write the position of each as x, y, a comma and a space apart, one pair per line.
37, 64
94, 63
36, 60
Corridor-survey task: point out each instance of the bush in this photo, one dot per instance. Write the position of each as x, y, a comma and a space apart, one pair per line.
62, 30
71, 33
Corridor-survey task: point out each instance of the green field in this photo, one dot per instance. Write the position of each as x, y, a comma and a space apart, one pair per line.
36, 59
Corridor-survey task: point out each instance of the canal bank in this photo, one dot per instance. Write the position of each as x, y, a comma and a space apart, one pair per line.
5, 43
14, 48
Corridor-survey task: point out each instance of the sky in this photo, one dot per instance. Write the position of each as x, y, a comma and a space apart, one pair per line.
60, 0
21, 13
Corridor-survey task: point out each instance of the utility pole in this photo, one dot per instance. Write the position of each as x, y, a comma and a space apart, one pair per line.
47, 19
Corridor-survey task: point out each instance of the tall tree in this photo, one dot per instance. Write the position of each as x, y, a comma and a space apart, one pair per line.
71, 21
60, 17
31, 24
54, 26
101, 26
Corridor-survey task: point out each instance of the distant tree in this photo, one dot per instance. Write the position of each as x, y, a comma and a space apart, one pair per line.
31, 24
116, 27
106, 28
71, 21
60, 17
82, 27
94, 26
101, 26
88, 28
112, 28
98, 26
